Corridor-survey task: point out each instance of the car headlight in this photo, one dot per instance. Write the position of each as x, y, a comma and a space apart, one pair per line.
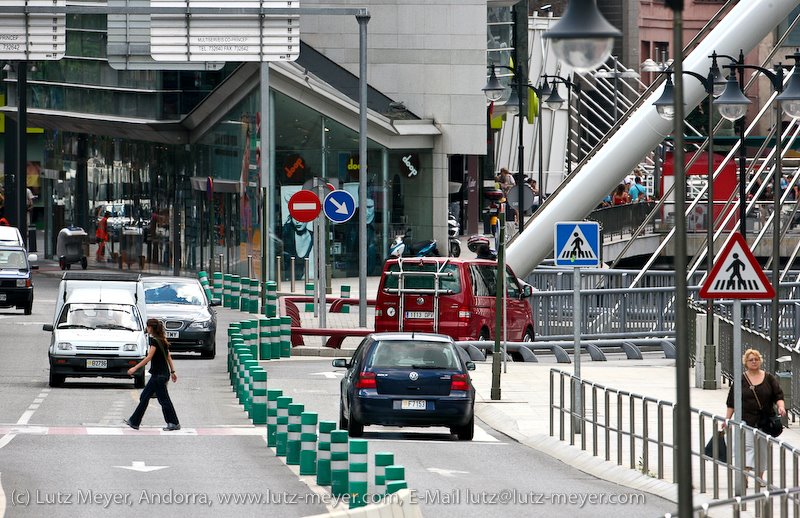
201, 324
22, 283
64, 346
129, 347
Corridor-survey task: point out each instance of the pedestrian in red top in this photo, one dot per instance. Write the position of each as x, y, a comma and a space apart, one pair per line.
102, 236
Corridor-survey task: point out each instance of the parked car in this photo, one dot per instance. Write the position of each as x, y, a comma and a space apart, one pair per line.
16, 284
461, 304
407, 379
10, 236
189, 317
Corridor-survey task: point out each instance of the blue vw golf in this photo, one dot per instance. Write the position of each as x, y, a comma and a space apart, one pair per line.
407, 379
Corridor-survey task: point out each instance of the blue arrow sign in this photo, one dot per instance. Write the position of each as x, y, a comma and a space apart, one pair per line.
577, 243
339, 206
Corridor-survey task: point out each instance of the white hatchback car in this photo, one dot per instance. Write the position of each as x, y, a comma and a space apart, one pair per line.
10, 236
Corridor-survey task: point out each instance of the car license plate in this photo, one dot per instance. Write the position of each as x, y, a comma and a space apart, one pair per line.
96, 364
413, 404
419, 314
172, 334
2, 297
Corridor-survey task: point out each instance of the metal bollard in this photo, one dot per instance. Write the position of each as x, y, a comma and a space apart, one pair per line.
307, 264
291, 268
324, 453
272, 415
282, 429
339, 466
278, 274
294, 428
382, 459
358, 485
308, 443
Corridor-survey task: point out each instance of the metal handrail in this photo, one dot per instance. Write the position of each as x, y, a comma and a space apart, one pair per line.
620, 423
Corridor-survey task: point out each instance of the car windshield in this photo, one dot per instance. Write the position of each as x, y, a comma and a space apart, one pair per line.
413, 355
95, 316
13, 260
173, 293
418, 276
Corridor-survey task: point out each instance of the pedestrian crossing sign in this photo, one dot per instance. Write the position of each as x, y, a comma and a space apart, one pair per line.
577, 243
736, 274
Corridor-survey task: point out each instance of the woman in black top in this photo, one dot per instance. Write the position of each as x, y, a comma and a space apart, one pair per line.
758, 387
161, 369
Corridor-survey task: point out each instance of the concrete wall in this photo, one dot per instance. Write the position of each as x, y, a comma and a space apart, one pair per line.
431, 55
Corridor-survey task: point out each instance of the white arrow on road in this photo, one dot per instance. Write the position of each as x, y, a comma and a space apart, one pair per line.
140, 466
447, 472
341, 208
328, 375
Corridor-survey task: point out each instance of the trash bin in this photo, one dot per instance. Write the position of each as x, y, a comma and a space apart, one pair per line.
71, 247
131, 247
783, 366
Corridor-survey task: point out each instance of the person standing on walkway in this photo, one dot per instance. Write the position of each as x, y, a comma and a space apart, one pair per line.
102, 236
161, 369
759, 390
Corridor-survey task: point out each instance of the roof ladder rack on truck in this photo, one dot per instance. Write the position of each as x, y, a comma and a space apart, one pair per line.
401, 290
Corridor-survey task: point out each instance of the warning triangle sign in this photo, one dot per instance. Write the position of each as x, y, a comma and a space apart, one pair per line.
736, 274
577, 248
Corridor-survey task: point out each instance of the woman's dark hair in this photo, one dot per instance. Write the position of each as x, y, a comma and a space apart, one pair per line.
158, 331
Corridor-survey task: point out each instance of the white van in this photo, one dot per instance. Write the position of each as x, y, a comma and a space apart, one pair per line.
98, 327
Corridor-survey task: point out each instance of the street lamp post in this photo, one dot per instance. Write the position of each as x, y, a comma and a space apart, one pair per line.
792, 109
554, 101
583, 38
615, 75
665, 107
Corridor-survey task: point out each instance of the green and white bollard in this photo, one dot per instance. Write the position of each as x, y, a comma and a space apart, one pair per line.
258, 411
236, 289
240, 376
345, 295
310, 293
271, 309
395, 479
294, 429
264, 346
249, 365
324, 453
382, 459
275, 337
255, 296
308, 443
359, 480
217, 285
272, 415
238, 349
252, 337
227, 290
285, 326
282, 430
244, 294
339, 466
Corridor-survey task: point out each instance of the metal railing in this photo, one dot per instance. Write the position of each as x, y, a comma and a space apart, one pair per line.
637, 432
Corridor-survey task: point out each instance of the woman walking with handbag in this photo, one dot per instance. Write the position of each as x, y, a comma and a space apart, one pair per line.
760, 391
161, 369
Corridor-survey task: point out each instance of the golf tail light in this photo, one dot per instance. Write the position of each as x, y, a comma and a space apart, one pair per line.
366, 380
459, 383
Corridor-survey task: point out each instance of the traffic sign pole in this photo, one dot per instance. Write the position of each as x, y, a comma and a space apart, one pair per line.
577, 423
737, 388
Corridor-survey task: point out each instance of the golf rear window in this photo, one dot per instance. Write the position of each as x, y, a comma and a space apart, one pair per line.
412, 282
400, 354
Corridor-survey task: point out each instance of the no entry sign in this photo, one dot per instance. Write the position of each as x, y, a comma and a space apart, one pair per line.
304, 206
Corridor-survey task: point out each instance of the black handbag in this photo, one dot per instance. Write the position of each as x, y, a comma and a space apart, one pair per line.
722, 448
769, 421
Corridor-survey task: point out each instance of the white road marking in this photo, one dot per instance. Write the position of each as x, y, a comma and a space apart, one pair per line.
26, 417
140, 466
451, 473
328, 375
23, 420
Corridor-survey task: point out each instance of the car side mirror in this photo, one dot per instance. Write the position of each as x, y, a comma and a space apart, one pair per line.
47, 327
340, 363
470, 366
527, 291
216, 302
32, 258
